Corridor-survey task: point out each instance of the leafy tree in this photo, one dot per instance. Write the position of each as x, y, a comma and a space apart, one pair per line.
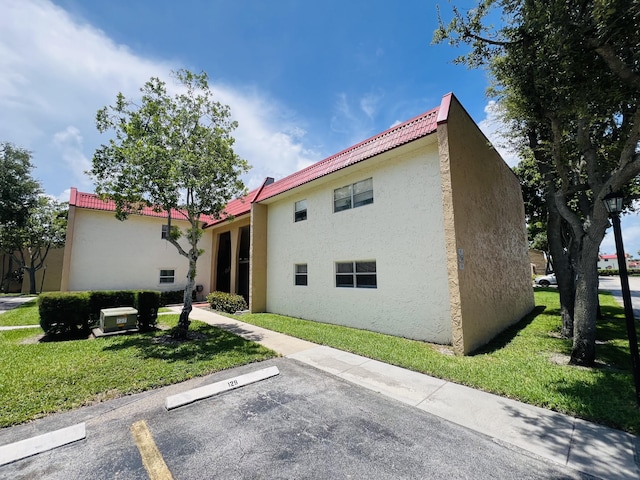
18, 194
172, 152
18, 190
30, 240
567, 74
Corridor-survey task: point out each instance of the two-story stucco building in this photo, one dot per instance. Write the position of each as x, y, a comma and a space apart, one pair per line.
417, 232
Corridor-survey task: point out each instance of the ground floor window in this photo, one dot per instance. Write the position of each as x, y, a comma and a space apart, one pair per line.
358, 274
301, 274
167, 276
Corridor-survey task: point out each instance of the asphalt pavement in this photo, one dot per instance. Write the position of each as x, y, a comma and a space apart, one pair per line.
327, 414
612, 284
301, 424
9, 302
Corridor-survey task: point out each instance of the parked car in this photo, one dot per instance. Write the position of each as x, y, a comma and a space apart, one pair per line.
546, 280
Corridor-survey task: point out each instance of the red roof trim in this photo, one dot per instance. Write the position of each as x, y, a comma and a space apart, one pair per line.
443, 114
73, 196
267, 181
93, 202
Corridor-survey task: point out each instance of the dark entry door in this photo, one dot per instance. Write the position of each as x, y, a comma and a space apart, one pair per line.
223, 270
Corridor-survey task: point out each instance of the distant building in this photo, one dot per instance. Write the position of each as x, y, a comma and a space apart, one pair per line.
538, 260
610, 262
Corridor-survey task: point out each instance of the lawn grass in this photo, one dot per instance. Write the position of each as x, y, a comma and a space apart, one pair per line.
24, 314
39, 378
528, 362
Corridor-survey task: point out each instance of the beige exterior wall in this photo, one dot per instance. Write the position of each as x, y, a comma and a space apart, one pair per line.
258, 272
105, 253
402, 231
52, 273
486, 248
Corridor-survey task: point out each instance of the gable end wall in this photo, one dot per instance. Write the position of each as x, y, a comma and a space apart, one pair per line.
487, 249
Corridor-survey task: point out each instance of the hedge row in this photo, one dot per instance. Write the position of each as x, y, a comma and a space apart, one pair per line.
68, 313
615, 272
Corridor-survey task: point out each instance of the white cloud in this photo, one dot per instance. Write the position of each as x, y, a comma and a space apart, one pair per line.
56, 71
369, 103
493, 127
69, 143
630, 227
355, 122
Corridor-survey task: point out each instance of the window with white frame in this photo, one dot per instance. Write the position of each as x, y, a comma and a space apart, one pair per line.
301, 274
300, 211
359, 274
165, 232
167, 276
354, 195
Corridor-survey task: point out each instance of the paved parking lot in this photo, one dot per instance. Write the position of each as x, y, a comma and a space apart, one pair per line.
303, 423
7, 303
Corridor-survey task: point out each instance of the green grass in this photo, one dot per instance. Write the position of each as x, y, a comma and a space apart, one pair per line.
24, 314
518, 364
39, 378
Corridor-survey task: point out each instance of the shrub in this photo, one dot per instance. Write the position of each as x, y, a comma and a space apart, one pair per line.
226, 302
147, 304
608, 273
101, 299
64, 313
171, 297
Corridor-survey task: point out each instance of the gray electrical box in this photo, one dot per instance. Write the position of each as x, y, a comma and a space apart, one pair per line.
120, 318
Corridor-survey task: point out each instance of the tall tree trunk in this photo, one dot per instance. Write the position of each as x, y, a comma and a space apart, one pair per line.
563, 266
32, 279
586, 304
182, 328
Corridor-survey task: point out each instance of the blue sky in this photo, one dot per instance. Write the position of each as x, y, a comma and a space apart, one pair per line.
304, 79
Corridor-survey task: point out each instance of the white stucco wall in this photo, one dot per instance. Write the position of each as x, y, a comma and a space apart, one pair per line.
109, 254
402, 231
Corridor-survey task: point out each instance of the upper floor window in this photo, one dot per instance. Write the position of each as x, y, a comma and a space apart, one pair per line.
300, 211
165, 232
354, 195
356, 274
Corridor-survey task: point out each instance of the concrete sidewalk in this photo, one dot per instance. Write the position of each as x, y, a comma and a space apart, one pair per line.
586, 447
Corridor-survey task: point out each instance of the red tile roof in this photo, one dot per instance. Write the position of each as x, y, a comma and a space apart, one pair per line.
93, 202
418, 127
401, 134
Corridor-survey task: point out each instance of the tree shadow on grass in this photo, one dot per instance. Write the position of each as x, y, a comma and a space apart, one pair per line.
506, 336
202, 344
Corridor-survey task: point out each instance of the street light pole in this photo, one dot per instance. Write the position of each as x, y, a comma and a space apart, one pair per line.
626, 292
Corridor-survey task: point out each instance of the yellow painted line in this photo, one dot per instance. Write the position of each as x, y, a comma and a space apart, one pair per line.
151, 456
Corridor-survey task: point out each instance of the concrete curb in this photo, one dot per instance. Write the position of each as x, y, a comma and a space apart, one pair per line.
42, 443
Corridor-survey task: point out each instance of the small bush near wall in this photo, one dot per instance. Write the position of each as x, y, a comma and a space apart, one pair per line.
147, 304
226, 302
64, 313
171, 298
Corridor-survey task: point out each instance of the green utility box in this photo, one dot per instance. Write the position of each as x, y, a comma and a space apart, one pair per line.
120, 318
